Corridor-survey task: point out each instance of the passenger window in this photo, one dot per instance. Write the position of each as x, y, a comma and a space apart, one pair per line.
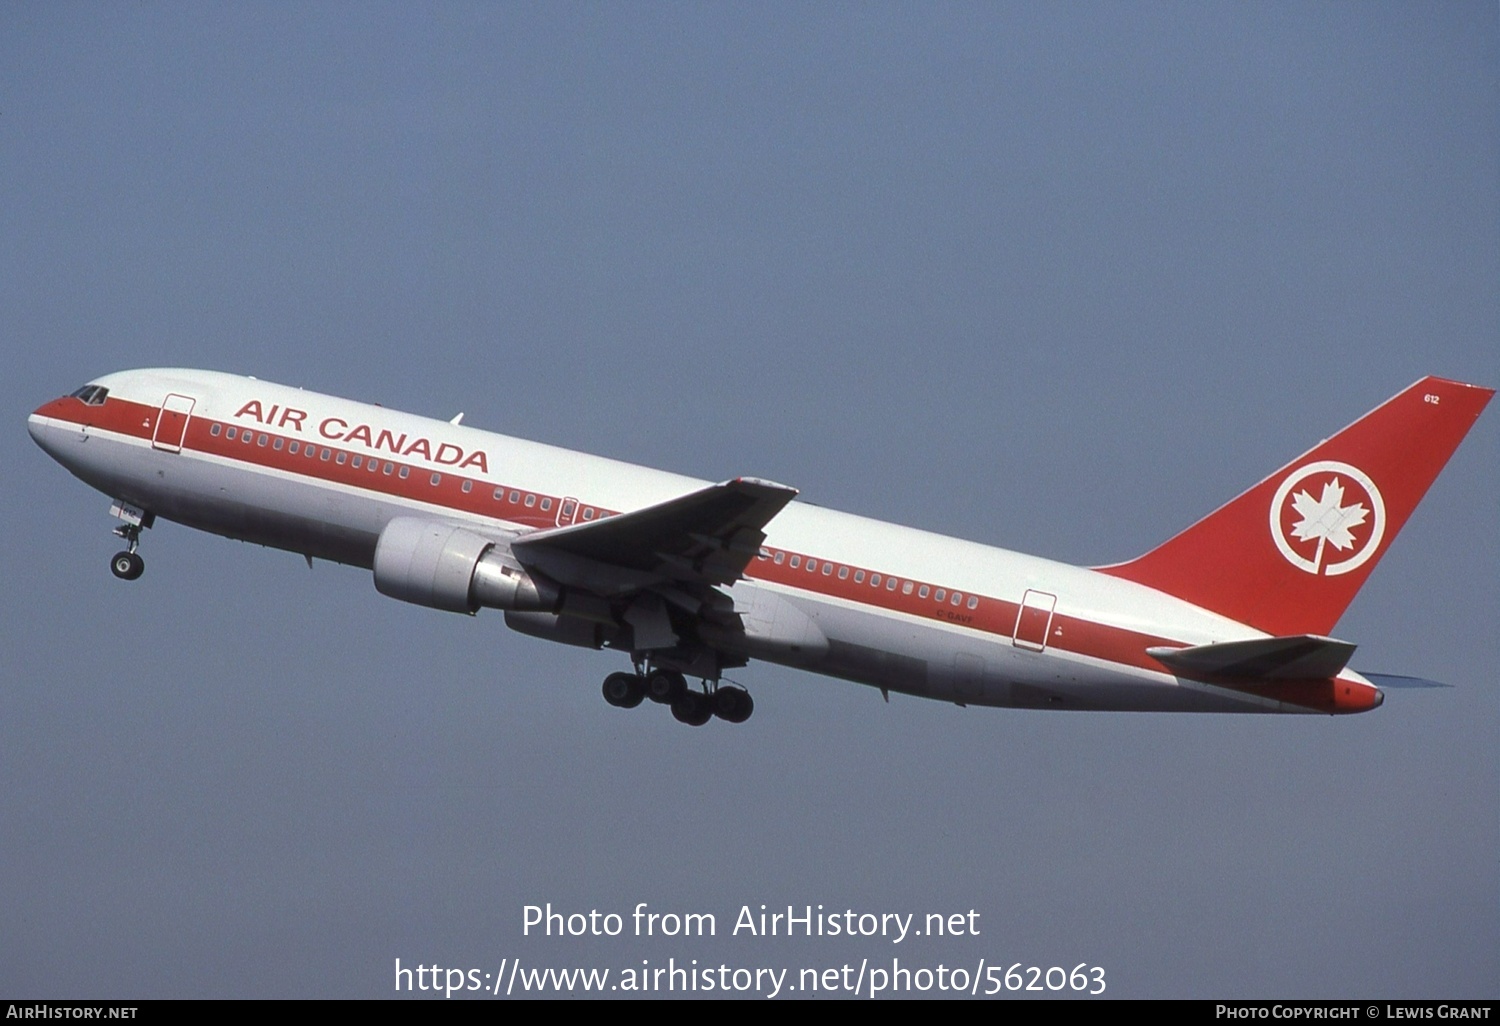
973, 601
261, 441
957, 598
812, 566
843, 573
890, 584
780, 558
326, 454
940, 594
405, 472
357, 462
546, 504
763, 555
588, 514
230, 434
293, 447
468, 486
827, 569
796, 562
214, 431
906, 588
341, 458
499, 494
530, 501
389, 467
859, 577
921, 592
277, 444
436, 478
515, 496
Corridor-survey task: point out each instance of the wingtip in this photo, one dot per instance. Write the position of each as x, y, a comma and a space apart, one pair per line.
761, 482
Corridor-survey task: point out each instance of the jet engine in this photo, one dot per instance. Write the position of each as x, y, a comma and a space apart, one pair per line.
445, 565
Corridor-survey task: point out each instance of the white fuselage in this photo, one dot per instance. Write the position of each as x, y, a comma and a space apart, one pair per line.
900, 609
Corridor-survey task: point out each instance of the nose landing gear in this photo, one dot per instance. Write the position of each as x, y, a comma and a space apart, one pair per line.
129, 565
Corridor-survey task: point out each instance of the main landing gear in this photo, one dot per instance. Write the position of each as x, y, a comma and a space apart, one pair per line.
668, 687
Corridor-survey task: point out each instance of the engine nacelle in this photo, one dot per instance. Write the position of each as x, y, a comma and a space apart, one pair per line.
444, 565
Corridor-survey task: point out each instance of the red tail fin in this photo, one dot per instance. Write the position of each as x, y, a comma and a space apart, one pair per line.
1288, 555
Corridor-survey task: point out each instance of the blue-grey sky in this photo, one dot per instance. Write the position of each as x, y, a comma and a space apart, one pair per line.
1054, 277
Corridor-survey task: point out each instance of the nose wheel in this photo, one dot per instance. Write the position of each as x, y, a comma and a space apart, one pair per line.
127, 566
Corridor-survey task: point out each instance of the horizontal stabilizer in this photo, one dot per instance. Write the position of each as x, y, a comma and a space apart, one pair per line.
1299, 657
1394, 680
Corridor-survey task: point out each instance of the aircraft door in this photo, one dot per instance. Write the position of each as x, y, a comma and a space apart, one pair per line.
172, 422
1034, 620
567, 509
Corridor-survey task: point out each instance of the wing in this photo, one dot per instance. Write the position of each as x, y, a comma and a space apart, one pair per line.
631, 567
706, 537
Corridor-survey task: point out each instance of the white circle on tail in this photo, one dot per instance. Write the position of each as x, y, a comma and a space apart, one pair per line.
1333, 524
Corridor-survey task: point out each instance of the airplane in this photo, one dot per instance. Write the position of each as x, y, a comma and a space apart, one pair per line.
692, 578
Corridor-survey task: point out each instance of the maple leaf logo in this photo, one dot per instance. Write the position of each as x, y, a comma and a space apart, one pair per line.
1328, 519
1349, 500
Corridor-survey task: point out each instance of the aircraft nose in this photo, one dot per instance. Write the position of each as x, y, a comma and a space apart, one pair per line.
45, 429
37, 426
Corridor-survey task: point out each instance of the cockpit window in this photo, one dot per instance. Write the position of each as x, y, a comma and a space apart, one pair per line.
92, 395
